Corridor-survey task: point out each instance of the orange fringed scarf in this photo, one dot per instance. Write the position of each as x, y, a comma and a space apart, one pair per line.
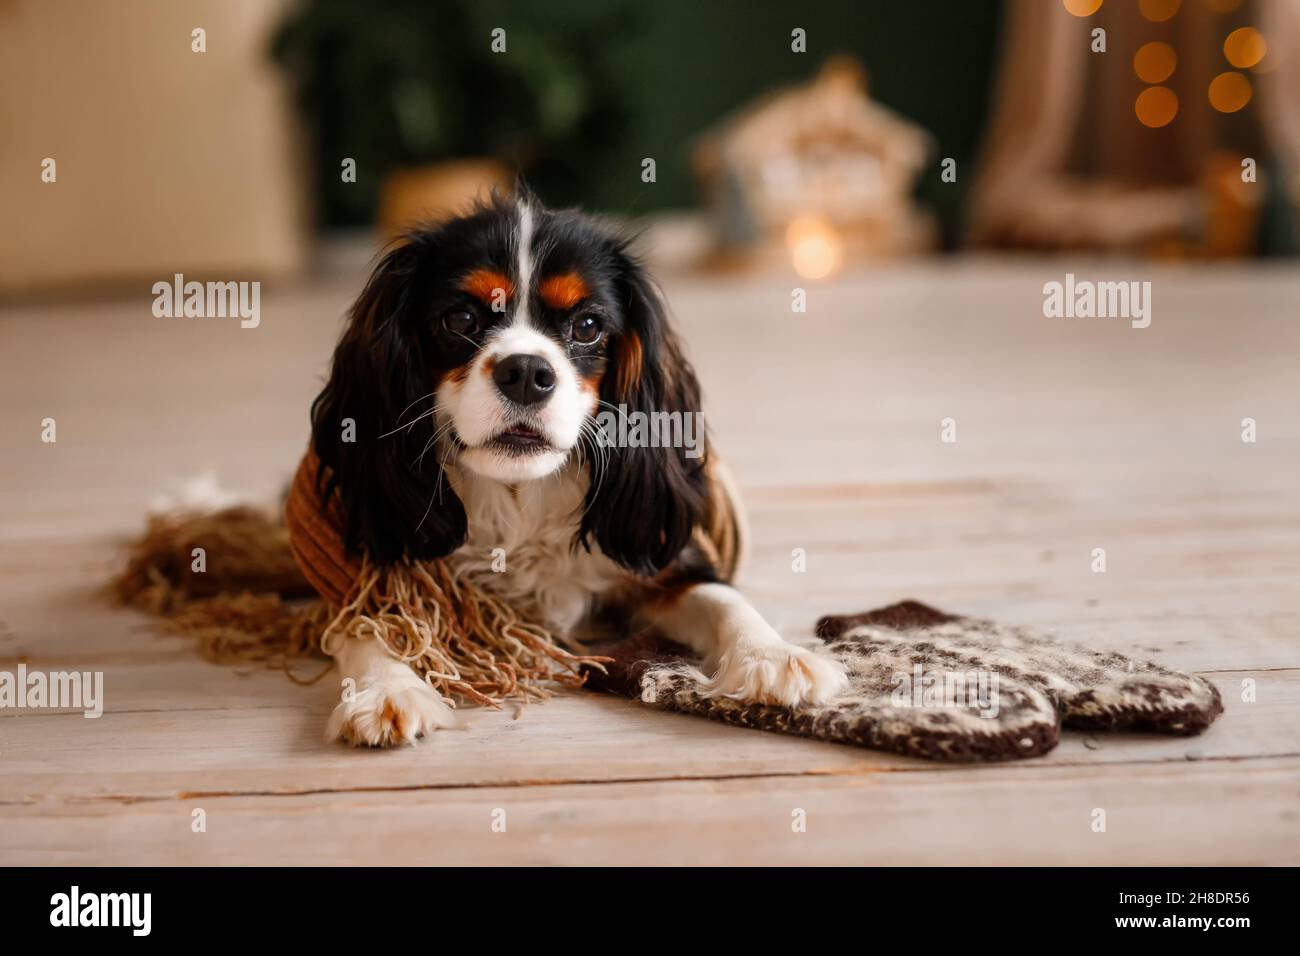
466, 643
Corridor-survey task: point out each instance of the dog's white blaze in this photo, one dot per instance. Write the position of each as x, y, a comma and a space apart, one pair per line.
525, 254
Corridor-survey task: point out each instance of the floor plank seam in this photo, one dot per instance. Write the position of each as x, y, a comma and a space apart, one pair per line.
863, 773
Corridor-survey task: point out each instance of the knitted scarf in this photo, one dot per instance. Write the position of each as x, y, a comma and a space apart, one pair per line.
245, 603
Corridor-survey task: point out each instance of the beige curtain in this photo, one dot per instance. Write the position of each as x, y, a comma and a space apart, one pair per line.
1067, 164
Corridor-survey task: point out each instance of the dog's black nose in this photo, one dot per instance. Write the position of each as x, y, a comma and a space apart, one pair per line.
524, 379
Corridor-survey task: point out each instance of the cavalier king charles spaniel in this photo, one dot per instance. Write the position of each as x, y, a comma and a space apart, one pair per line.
475, 365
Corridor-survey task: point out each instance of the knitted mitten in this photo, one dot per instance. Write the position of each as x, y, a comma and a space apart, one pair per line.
929, 684
1091, 690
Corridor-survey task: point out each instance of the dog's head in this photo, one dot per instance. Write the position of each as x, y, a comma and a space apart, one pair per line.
489, 343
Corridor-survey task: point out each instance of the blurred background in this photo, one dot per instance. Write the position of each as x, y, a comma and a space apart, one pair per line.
268, 138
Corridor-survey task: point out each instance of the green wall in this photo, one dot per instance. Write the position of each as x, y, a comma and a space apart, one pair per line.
677, 67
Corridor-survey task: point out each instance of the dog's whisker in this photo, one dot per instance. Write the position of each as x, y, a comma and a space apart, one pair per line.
422, 398
468, 339
419, 461
438, 433
411, 424
437, 407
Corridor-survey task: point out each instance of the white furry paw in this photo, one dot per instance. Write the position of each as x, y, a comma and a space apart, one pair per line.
389, 708
784, 674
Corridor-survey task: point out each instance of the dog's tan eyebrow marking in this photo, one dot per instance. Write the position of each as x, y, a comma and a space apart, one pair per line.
486, 284
563, 291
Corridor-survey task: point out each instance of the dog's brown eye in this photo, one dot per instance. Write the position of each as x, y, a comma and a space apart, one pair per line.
459, 322
586, 329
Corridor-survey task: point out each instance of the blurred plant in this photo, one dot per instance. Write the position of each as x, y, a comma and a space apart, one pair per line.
410, 82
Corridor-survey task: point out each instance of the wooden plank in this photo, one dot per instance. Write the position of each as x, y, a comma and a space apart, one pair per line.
161, 744
51, 605
1213, 813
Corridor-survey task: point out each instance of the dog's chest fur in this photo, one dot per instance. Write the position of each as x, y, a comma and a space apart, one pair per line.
537, 568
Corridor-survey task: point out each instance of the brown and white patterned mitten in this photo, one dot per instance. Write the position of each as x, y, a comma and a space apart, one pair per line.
1091, 690
929, 684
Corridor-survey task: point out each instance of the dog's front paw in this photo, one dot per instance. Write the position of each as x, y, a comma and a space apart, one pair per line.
784, 674
390, 708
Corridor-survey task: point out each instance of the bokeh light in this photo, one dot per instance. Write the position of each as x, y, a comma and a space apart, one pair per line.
1082, 8
1155, 62
1229, 92
816, 249
1244, 47
1158, 11
1156, 106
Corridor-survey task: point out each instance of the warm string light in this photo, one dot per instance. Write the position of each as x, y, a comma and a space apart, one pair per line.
1082, 8
1158, 11
1244, 47
816, 249
1155, 62
1156, 106
1229, 92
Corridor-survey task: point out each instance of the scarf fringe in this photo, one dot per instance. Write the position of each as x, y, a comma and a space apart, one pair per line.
251, 603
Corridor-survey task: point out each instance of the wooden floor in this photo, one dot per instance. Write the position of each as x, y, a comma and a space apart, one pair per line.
1071, 435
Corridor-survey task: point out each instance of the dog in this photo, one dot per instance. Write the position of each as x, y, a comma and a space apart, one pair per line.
472, 370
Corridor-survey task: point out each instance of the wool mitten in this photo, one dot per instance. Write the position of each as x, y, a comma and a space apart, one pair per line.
929, 684
1091, 690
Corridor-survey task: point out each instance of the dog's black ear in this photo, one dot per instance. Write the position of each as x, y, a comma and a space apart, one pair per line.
644, 502
373, 427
